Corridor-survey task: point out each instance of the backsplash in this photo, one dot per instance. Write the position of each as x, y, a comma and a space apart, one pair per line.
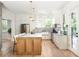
39, 30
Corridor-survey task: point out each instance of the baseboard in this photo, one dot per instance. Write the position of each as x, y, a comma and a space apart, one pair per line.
6, 50
46, 39
74, 51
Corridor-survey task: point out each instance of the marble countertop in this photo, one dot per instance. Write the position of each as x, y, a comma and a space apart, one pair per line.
28, 35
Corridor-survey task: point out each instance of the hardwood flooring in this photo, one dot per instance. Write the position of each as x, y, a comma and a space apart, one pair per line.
48, 50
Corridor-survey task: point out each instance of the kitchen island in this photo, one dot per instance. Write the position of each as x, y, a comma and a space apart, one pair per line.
28, 44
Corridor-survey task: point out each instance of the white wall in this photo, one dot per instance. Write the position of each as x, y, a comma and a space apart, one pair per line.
0, 25
58, 17
21, 19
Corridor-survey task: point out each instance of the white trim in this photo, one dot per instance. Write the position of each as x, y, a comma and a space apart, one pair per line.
74, 51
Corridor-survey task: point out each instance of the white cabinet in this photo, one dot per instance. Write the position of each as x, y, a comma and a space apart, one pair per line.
60, 41
46, 35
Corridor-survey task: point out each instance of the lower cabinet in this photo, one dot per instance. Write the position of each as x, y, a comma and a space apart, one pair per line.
37, 46
61, 41
28, 46
20, 46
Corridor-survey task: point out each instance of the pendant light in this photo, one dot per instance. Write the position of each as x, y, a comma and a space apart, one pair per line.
32, 17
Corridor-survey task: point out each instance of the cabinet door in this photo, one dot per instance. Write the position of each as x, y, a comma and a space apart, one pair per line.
37, 46
29, 46
20, 46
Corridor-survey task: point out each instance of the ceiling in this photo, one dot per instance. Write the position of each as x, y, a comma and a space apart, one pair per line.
40, 6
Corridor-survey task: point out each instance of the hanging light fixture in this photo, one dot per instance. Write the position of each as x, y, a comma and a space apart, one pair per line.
32, 17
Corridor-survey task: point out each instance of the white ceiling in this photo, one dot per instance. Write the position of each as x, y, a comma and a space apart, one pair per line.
40, 6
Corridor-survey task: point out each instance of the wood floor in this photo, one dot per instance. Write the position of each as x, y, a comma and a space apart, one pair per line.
48, 50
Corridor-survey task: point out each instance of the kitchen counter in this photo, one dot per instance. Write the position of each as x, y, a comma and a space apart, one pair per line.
28, 44
28, 35
60, 40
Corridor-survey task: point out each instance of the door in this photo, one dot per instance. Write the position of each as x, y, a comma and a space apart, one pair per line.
74, 34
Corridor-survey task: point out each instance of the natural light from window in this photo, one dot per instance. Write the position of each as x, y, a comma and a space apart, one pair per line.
48, 23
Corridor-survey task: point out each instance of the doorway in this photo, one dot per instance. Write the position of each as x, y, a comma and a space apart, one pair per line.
6, 35
6, 29
74, 34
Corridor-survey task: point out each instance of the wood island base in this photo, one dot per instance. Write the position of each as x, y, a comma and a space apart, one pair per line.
28, 46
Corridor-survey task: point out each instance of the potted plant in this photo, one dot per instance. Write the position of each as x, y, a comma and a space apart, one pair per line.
9, 30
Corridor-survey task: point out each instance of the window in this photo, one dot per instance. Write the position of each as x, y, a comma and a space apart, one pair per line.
38, 24
65, 26
48, 23
74, 22
73, 31
4, 26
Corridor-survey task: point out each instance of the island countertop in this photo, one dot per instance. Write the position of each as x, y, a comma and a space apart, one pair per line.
28, 35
